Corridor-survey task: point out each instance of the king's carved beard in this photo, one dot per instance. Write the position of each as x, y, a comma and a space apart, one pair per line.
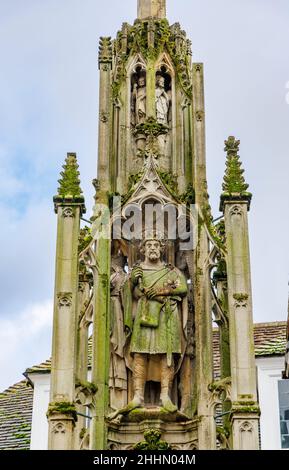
153, 255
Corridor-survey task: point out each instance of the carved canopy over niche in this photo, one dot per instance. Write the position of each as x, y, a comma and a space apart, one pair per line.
150, 39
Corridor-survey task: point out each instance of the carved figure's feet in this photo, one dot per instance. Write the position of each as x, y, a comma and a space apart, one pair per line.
168, 404
137, 402
115, 414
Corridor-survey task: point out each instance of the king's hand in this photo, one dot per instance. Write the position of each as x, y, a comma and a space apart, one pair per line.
136, 275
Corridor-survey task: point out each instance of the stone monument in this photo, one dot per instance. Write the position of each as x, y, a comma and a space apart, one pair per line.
139, 290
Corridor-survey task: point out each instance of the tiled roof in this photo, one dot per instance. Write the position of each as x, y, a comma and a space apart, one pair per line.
43, 367
16, 417
270, 339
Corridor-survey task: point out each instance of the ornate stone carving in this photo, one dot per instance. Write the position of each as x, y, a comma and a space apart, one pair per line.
241, 300
64, 299
234, 184
198, 67
152, 441
150, 39
220, 391
200, 116
104, 117
236, 211
105, 50
188, 446
68, 212
247, 435
58, 428
246, 426
85, 394
232, 146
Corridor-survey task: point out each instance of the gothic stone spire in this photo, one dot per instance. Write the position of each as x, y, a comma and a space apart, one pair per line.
234, 184
151, 8
69, 183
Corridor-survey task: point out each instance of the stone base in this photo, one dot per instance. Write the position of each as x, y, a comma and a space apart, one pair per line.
177, 430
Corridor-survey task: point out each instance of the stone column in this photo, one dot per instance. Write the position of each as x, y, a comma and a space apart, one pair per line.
82, 355
151, 8
204, 342
102, 235
101, 326
151, 88
200, 182
105, 108
69, 206
235, 203
203, 303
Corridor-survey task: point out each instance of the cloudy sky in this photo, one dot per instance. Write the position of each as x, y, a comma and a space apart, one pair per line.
49, 105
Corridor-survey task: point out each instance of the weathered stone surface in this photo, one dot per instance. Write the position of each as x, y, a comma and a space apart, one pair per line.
151, 8
179, 435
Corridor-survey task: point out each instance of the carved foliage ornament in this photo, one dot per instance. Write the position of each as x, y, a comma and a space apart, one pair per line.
152, 441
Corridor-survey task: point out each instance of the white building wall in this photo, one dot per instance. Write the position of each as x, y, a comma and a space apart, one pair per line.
269, 373
39, 434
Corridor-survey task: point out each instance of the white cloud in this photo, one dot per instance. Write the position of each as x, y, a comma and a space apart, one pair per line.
20, 339
28, 323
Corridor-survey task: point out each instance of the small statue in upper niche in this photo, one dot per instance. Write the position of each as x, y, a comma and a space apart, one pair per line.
162, 101
139, 100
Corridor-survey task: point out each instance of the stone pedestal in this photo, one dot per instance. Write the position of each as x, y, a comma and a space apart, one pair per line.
177, 430
245, 431
61, 429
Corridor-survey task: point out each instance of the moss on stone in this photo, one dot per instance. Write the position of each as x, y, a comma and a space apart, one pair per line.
166, 38
69, 184
250, 407
240, 297
152, 441
89, 386
85, 237
64, 408
234, 184
82, 433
